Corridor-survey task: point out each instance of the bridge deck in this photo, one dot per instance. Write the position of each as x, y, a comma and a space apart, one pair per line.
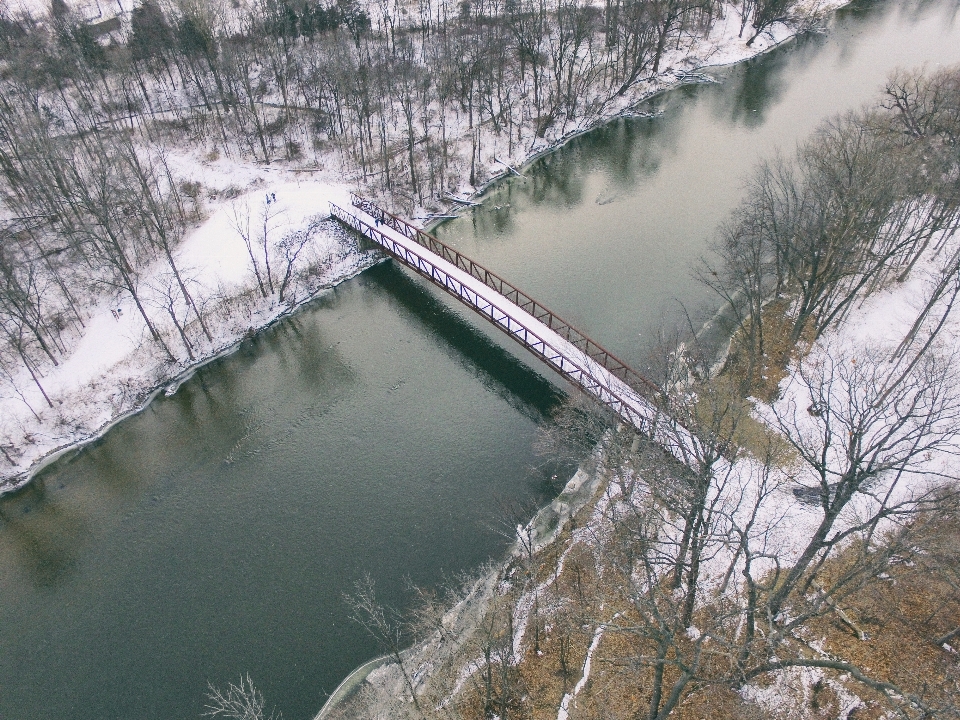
588, 366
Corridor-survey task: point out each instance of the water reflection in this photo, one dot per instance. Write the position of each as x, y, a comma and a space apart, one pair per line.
759, 85
514, 380
623, 150
861, 11
45, 538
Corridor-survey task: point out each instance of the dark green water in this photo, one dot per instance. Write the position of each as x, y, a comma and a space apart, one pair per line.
383, 430
376, 432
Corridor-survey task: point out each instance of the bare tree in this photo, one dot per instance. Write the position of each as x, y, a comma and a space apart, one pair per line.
239, 701
257, 240
768, 12
386, 626
289, 248
165, 295
872, 425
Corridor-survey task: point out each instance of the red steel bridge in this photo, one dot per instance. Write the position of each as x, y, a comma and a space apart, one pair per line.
582, 361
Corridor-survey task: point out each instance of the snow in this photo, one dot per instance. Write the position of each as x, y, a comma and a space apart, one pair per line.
792, 692
523, 608
876, 326
217, 249
563, 713
107, 375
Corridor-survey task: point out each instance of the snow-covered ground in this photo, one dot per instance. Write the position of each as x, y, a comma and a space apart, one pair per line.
853, 362
106, 374
868, 337
215, 258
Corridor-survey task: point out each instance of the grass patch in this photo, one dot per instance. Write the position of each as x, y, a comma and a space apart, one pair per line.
758, 368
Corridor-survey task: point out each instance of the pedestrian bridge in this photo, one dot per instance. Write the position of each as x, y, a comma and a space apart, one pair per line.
582, 361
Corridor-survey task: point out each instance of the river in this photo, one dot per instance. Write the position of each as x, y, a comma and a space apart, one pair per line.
382, 429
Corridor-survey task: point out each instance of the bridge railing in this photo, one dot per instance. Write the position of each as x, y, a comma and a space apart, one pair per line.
610, 362
638, 412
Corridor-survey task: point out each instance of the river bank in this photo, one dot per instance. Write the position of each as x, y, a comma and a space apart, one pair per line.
379, 686
688, 63
115, 370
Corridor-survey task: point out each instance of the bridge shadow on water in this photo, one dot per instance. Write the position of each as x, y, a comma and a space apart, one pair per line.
518, 383
46, 534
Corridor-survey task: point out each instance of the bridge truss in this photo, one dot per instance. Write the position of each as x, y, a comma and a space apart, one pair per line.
579, 359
